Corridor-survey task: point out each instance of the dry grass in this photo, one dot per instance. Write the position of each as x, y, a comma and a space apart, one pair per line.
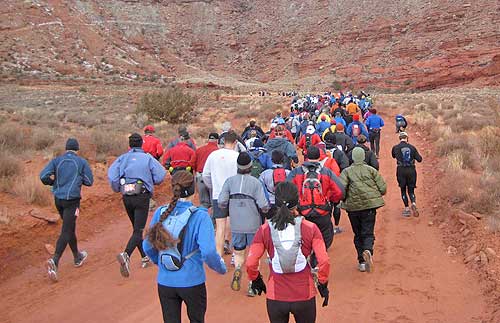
9, 166
32, 190
14, 139
108, 143
43, 138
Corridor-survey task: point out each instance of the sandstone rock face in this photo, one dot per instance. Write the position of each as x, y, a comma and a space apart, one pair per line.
390, 44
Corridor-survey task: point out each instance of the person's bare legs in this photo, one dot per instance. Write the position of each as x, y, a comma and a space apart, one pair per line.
220, 233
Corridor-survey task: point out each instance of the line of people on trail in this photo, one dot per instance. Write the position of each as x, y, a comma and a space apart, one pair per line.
256, 195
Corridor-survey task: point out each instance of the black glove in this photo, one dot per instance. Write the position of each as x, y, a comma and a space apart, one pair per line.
324, 292
258, 286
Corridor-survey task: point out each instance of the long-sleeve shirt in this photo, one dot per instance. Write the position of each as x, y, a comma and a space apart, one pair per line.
290, 287
178, 156
201, 154
220, 165
70, 172
133, 166
200, 235
152, 145
374, 122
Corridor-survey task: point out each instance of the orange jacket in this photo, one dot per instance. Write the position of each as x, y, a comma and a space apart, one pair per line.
352, 108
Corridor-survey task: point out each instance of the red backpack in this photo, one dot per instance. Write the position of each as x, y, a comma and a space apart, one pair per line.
312, 201
279, 175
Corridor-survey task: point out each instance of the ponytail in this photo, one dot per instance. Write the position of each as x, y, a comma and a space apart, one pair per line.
282, 217
160, 238
287, 197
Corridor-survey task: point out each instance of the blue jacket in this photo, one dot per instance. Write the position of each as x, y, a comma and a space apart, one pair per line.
374, 122
136, 165
341, 120
362, 127
261, 155
322, 126
70, 172
200, 235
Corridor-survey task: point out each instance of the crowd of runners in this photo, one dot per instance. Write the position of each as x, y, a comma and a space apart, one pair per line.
275, 194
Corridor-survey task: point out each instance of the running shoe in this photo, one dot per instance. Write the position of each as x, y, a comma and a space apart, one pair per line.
362, 267
406, 213
227, 247
250, 292
52, 269
414, 210
81, 258
124, 261
232, 259
368, 258
145, 262
235, 283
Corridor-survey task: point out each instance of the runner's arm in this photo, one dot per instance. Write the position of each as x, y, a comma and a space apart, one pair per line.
318, 246
257, 249
88, 178
158, 172
418, 157
47, 173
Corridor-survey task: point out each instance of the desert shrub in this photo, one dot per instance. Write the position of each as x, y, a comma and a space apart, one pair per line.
9, 166
461, 159
461, 123
424, 119
489, 141
447, 145
108, 143
14, 139
459, 187
32, 190
244, 112
43, 138
171, 105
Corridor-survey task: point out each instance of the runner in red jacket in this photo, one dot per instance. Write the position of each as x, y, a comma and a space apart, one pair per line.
291, 288
179, 157
198, 162
151, 144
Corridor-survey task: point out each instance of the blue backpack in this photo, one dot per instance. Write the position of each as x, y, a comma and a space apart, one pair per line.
175, 224
407, 160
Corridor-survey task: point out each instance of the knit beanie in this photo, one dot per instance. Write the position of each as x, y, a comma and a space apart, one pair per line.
313, 152
358, 154
244, 161
135, 140
213, 135
72, 144
355, 117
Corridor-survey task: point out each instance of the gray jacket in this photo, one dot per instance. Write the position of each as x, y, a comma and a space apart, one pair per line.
244, 195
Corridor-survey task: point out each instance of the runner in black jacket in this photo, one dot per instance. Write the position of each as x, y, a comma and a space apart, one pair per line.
406, 173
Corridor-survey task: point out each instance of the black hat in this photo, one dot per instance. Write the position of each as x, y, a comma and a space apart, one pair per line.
244, 161
184, 135
135, 140
72, 144
213, 135
313, 152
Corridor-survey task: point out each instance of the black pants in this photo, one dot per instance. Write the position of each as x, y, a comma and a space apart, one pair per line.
375, 142
137, 207
303, 312
68, 211
407, 181
171, 299
363, 226
325, 225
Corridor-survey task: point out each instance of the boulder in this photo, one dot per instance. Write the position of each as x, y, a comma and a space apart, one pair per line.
49, 217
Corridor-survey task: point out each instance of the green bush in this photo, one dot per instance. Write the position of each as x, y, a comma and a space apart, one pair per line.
171, 105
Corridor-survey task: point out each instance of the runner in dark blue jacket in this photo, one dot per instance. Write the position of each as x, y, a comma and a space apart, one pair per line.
374, 123
66, 174
188, 283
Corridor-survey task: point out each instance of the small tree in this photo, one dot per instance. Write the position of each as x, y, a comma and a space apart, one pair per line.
171, 105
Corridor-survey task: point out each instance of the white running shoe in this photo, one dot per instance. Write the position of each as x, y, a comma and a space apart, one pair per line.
52, 269
124, 261
367, 256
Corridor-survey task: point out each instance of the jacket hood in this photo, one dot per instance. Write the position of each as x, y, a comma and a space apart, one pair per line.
276, 142
358, 155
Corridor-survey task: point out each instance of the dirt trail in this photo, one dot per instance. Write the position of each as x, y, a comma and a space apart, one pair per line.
415, 280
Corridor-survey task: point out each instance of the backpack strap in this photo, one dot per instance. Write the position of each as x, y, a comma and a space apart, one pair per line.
192, 209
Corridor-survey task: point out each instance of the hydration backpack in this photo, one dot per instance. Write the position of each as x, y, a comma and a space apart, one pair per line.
356, 130
256, 168
279, 175
288, 256
312, 200
400, 122
171, 258
407, 160
308, 140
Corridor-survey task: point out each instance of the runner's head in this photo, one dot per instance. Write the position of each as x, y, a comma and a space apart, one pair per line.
244, 163
213, 137
361, 139
135, 140
226, 126
287, 198
355, 117
313, 154
403, 136
182, 186
184, 136
149, 129
277, 157
339, 127
279, 131
72, 144
252, 123
373, 111
230, 139
358, 155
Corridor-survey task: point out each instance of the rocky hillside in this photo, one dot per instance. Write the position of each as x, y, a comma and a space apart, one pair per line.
390, 44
